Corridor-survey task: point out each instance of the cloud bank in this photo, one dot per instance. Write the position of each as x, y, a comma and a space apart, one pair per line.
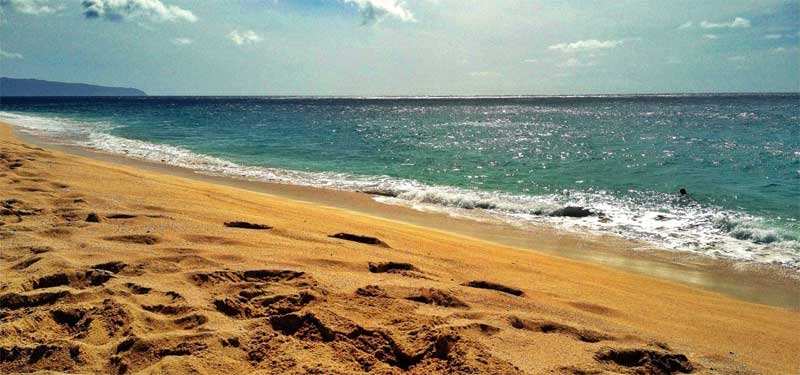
585, 45
244, 37
119, 10
374, 10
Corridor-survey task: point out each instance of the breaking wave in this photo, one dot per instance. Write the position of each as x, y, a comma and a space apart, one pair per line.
664, 220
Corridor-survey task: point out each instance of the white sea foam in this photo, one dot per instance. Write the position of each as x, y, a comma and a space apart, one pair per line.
664, 220
42, 125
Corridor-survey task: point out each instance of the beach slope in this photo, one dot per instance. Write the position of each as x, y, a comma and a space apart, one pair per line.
110, 269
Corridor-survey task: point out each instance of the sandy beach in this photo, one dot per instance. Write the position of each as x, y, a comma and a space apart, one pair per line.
109, 268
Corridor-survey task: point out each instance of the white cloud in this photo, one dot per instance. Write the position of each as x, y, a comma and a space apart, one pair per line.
118, 10
32, 7
737, 22
182, 41
686, 25
710, 36
244, 37
585, 45
740, 22
373, 10
9, 55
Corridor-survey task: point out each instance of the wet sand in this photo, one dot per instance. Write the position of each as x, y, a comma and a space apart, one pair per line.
111, 268
759, 283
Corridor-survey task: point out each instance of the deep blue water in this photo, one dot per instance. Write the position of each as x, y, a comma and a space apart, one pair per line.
519, 159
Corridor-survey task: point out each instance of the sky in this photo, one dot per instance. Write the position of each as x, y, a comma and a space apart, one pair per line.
406, 47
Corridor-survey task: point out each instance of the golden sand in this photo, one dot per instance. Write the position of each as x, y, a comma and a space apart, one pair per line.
112, 269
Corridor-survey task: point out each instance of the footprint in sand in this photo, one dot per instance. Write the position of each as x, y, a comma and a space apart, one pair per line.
246, 225
391, 267
645, 361
113, 266
143, 239
404, 269
545, 326
493, 286
260, 293
211, 240
359, 238
75, 279
191, 321
15, 301
26, 263
436, 297
120, 216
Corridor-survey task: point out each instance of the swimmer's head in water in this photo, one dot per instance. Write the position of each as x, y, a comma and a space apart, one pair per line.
683, 191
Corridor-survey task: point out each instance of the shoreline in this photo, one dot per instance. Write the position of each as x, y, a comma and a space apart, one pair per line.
110, 268
751, 282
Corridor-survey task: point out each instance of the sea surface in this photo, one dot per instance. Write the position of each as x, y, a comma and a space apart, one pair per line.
517, 159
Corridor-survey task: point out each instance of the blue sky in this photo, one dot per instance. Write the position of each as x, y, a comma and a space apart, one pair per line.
405, 47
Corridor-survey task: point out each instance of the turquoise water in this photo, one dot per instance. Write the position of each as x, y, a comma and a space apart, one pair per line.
518, 159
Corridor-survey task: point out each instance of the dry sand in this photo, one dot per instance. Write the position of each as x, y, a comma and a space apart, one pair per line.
110, 269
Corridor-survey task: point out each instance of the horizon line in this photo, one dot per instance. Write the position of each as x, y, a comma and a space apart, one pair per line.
479, 96
407, 96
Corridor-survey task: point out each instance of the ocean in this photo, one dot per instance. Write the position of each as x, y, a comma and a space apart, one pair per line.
521, 160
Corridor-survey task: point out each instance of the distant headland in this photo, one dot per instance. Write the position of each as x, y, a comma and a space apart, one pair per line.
37, 87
